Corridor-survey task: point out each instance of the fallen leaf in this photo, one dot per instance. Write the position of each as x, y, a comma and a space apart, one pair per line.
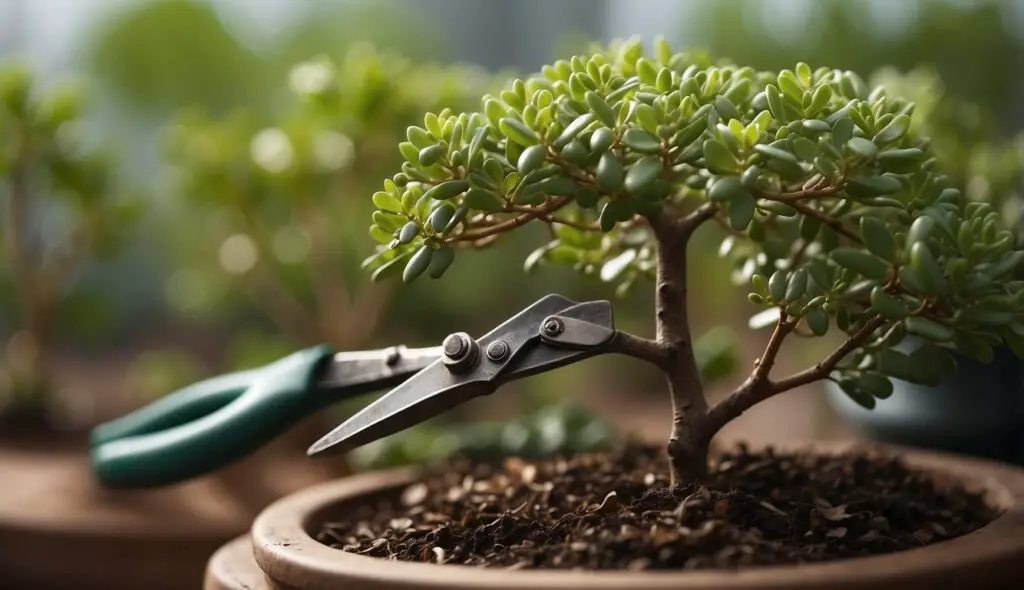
834, 513
836, 533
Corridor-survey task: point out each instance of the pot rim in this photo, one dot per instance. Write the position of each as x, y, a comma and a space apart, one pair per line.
288, 554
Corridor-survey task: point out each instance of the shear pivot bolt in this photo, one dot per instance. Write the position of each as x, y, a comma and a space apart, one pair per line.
455, 346
497, 351
553, 327
461, 352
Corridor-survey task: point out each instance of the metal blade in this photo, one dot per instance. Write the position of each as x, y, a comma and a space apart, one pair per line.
429, 394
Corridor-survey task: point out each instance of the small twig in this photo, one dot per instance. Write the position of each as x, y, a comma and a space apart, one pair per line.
811, 193
754, 392
637, 347
763, 365
828, 364
510, 224
832, 222
691, 222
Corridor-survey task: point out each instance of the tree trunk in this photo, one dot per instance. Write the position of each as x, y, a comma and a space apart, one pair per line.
690, 436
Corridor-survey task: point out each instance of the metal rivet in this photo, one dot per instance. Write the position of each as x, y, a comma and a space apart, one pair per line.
553, 327
497, 351
455, 346
394, 354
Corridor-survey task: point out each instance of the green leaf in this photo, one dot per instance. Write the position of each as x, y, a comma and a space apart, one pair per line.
380, 235
726, 108
774, 152
518, 132
776, 104
646, 117
875, 384
820, 274
842, 132
872, 186
861, 262
900, 156
750, 177
718, 158
483, 200
417, 264
819, 100
641, 141
531, 159
725, 188
887, 306
895, 130
777, 285
920, 230
573, 129
600, 108
390, 268
409, 232
441, 216
862, 147
927, 269
741, 211
928, 329
877, 238
419, 137
816, 126
642, 174
826, 167
448, 190
797, 285
387, 201
601, 140
429, 155
440, 261
853, 390
576, 153
614, 211
817, 321
609, 173
805, 149
937, 361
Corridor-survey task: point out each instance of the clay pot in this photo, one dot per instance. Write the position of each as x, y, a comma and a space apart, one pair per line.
61, 530
280, 553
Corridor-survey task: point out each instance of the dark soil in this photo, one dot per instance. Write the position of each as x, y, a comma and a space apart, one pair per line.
615, 511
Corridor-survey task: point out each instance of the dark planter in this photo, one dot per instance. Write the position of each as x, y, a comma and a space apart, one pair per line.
979, 411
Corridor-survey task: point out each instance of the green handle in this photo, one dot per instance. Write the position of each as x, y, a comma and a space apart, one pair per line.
208, 425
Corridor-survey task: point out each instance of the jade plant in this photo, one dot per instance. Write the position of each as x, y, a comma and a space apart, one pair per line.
839, 220
62, 209
270, 199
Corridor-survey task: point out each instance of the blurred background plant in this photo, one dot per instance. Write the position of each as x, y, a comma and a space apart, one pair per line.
63, 210
274, 207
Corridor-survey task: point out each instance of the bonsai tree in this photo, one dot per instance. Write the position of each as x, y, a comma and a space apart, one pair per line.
62, 209
837, 217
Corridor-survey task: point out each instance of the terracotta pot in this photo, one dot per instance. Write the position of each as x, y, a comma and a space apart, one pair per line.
61, 530
233, 567
290, 558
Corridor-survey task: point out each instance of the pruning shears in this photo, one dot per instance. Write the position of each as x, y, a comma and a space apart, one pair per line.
207, 425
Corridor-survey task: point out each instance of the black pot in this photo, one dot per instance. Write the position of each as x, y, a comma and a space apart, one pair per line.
978, 411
